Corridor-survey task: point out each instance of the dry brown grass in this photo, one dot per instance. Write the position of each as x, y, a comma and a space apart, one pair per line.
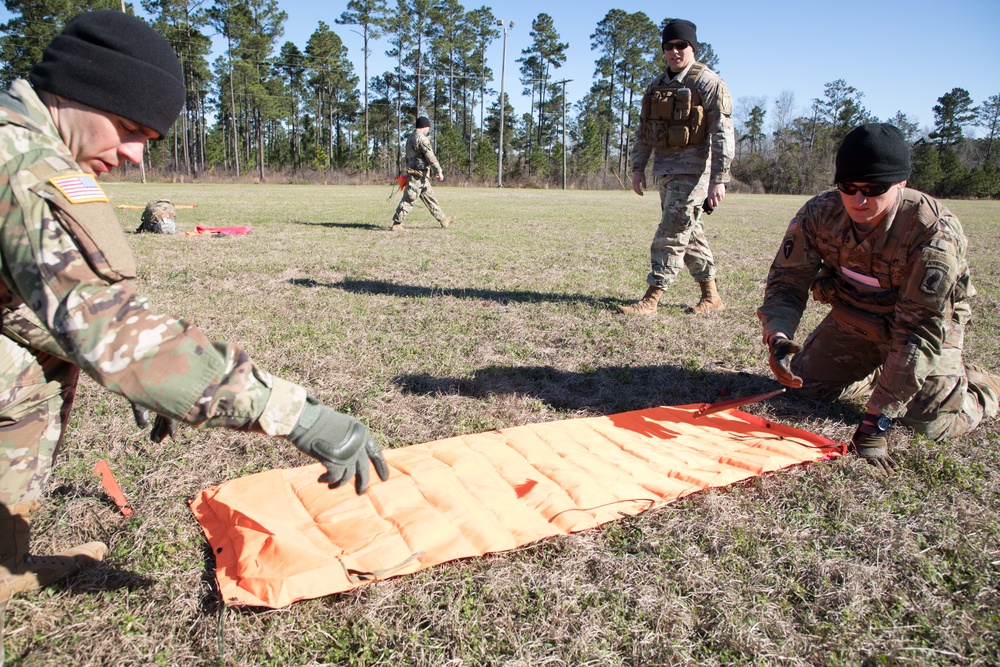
504, 319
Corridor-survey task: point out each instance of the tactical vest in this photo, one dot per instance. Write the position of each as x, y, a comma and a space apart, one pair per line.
672, 114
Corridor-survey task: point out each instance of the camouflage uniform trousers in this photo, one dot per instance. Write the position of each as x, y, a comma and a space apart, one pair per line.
837, 364
680, 237
36, 395
417, 187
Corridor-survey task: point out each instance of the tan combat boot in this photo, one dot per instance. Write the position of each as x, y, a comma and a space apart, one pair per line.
20, 571
710, 299
647, 304
397, 227
447, 221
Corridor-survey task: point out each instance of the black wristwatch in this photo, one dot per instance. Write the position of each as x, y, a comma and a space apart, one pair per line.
880, 424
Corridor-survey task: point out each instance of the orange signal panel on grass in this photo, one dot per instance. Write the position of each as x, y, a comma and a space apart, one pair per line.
281, 536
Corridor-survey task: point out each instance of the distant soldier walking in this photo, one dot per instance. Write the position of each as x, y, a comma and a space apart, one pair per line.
421, 165
685, 124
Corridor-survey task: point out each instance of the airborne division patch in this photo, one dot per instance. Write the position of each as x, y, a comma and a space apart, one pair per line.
931, 283
79, 188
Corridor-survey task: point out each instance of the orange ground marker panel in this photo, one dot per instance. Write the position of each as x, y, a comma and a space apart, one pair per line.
281, 536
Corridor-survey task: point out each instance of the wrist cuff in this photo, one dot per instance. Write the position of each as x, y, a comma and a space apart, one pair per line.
283, 408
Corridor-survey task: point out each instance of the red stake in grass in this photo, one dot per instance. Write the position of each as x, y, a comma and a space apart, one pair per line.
111, 486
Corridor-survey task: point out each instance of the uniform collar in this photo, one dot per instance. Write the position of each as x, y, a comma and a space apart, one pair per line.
38, 113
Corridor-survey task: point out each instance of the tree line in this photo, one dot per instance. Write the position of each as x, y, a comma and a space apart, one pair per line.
267, 105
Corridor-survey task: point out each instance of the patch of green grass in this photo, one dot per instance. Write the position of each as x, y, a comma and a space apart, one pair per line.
508, 318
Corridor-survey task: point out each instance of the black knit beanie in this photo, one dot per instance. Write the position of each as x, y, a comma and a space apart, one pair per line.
680, 29
873, 153
423, 121
116, 63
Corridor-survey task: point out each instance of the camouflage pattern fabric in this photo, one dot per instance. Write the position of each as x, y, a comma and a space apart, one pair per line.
417, 187
910, 273
421, 166
715, 154
680, 238
159, 217
684, 175
70, 264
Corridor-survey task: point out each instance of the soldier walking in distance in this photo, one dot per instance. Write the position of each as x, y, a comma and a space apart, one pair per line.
891, 262
106, 85
686, 125
421, 165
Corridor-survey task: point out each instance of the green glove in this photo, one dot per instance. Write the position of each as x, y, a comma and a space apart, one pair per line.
782, 350
340, 442
163, 428
141, 415
869, 443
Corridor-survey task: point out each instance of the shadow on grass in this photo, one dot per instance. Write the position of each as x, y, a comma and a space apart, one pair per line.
613, 389
343, 225
500, 296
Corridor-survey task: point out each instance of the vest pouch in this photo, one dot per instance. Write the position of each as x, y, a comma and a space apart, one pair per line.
697, 125
656, 134
678, 136
871, 327
662, 106
682, 104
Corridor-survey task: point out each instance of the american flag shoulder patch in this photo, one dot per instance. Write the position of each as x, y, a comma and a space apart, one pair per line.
79, 188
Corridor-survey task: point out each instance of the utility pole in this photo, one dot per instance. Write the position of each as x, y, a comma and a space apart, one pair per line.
503, 73
564, 82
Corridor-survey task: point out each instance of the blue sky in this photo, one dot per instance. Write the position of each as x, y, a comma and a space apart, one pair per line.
902, 54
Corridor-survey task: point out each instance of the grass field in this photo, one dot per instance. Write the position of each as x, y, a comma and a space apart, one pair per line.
504, 319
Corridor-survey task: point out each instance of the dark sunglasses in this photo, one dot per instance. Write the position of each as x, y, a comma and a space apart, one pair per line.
680, 46
870, 190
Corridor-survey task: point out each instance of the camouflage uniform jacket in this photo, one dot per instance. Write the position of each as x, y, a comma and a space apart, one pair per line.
911, 273
715, 154
420, 156
69, 262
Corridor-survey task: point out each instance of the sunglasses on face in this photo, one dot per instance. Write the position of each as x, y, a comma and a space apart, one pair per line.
870, 190
680, 46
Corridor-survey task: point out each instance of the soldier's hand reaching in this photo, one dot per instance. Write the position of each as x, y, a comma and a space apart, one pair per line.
341, 443
141, 415
440, 176
163, 427
870, 444
782, 349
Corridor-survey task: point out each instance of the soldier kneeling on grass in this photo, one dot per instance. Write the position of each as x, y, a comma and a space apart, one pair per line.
891, 261
159, 217
104, 87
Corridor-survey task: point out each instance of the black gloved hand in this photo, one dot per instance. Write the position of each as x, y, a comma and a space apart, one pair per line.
780, 360
869, 443
341, 443
163, 428
141, 415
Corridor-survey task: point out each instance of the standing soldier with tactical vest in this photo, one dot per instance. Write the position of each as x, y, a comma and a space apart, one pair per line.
686, 125
106, 85
891, 262
421, 165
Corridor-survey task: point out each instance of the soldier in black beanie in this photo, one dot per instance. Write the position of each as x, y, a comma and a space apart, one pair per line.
892, 264
68, 302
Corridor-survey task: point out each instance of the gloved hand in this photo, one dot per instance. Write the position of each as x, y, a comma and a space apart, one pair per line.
141, 415
782, 350
341, 443
869, 443
163, 428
